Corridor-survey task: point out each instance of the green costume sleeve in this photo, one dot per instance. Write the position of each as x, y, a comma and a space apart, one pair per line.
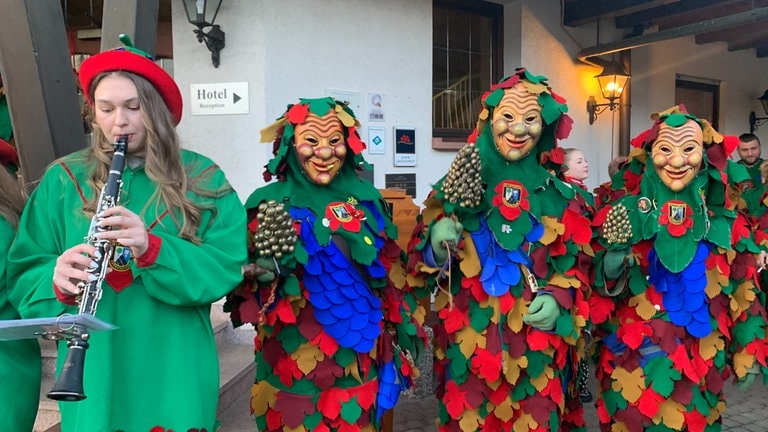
40, 239
209, 270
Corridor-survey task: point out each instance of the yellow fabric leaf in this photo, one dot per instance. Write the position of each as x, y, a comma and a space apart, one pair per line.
716, 412
432, 209
515, 315
742, 361
397, 275
262, 397
439, 354
630, 384
299, 428
353, 370
307, 357
642, 306
346, 119
420, 314
534, 88
730, 255
742, 298
587, 249
416, 281
468, 340
484, 114
670, 414
637, 153
619, 427
470, 262
441, 300
506, 410
710, 345
470, 420
564, 282
512, 367
542, 380
269, 133
552, 229
523, 423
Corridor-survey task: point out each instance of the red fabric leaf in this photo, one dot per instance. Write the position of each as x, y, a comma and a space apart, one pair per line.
284, 311
274, 420
564, 127
740, 229
366, 394
330, 402
576, 227
600, 308
557, 155
453, 319
730, 143
486, 365
758, 349
554, 390
297, 113
639, 140
695, 421
633, 333
539, 340
694, 368
253, 225
649, 402
287, 370
455, 400
354, 141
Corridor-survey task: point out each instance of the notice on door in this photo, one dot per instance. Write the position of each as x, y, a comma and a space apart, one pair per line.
219, 98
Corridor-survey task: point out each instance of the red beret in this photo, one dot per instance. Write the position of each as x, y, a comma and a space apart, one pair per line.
130, 59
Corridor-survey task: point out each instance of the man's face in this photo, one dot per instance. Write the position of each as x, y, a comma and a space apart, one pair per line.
677, 154
749, 152
517, 123
320, 147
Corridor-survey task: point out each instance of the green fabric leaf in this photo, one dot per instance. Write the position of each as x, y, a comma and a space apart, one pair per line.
344, 357
479, 317
351, 411
748, 330
564, 326
494, 98
291, 285
613, 401
522, 389
458, 364
291, 338
720, 232
537, 362
700, 403
660, 375
675, 253
509, 234
637, 281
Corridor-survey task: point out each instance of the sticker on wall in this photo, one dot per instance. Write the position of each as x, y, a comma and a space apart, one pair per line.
377, 141
405, 146
376, 107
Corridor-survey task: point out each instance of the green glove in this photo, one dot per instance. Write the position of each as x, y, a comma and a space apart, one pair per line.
445, 231
265, 269
543, 312
745, 383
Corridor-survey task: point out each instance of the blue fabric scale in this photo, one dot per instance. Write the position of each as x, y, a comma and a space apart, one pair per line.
683, 294
501, 267
391, 384
342, 300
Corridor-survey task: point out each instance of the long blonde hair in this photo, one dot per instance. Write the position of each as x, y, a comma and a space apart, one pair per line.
162, 161
11, 198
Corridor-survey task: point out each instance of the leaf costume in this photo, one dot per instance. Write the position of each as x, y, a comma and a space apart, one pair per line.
674, 302
159, 368
338, 328
495, 372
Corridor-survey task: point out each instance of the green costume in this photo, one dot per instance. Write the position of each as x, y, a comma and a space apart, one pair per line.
752, 189
158, 370
19, 359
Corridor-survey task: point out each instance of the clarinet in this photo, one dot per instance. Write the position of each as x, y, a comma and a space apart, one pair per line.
69, 384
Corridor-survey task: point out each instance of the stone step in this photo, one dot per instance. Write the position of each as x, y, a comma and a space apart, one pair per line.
236, 369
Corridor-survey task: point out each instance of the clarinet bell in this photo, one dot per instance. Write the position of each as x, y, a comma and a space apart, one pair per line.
69, 385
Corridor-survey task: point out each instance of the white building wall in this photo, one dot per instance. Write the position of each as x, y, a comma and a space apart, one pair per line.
294, 49
290, 49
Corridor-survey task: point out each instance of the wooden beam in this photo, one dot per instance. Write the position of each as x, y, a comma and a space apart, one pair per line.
682, 12
136, 18
39, 84
580, 12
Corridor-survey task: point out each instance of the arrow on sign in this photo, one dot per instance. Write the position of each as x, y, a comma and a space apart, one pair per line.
235, 98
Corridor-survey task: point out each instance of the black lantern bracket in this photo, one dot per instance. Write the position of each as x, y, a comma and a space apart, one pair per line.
198, 12
754, 120
612, 81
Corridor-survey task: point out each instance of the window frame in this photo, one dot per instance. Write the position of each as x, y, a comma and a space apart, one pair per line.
452, 138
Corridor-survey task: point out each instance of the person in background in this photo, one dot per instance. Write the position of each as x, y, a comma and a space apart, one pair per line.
604, 192
575, 167
749, 151
674, 303
503, 245
178, 233
339, 330
19, 359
